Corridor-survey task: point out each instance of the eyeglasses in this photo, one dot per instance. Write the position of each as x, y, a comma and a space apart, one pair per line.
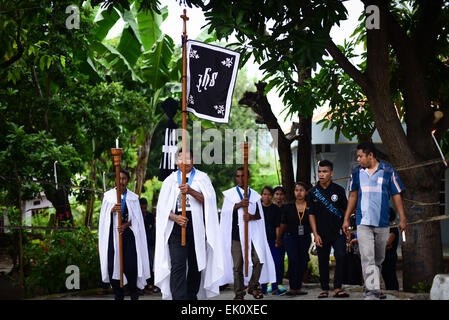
238, 176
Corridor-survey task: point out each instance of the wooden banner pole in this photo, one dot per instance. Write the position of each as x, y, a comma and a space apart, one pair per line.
184, 118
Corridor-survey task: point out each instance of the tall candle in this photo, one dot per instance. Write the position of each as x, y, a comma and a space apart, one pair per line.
403, 236
116, 143
104, 183
56, 176
438, 146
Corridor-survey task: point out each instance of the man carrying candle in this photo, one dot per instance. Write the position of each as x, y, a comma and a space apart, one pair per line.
371, 185
136, 267
261, 266
192, 271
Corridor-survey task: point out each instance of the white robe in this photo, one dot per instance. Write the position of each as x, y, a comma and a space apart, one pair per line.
256, 235
205, 233
138, 229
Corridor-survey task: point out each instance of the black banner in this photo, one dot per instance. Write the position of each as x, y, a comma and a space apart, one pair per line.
211, 75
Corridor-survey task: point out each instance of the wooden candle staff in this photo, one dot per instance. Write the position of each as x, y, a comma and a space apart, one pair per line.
117, 154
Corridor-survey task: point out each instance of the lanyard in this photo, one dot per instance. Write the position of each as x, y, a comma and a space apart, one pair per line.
189, 182
240, 194
124, 202
303, 212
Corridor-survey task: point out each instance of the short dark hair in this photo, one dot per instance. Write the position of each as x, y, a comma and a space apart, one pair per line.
143, 201
188, 151
326, 163
126, 172
270, 189
367, 147
302, 184
278, 188
242, 169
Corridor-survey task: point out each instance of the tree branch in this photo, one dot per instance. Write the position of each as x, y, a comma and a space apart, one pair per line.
36, 81
20, 49
428, 26
347, 66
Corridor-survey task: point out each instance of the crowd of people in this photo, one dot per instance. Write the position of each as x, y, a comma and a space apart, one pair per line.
357, 230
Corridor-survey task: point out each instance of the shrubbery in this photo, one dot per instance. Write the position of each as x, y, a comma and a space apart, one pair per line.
45, 261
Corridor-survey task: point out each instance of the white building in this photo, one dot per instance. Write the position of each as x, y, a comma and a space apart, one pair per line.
29, 209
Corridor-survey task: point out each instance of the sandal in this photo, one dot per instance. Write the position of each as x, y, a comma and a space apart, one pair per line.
291, 293
340, 293
238, 297
257, 294
300, 292
156, 290
323, 294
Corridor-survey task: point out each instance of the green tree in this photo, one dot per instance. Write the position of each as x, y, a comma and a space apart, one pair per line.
300, 36
146, 61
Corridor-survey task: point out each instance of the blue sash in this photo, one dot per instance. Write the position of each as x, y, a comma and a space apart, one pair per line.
328, 204
240, 194
189, 182
124, 202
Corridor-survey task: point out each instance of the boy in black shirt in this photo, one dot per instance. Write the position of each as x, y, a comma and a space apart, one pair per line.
328, 203
272, 216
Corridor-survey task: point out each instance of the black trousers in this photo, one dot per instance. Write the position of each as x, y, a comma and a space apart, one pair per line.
183, 285
129, 264
339, 245
297, 251
389, 271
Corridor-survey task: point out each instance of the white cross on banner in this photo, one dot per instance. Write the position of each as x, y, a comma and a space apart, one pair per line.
211, 75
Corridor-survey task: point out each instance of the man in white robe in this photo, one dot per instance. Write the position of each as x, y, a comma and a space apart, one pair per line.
232, 231
134, 243
201, 257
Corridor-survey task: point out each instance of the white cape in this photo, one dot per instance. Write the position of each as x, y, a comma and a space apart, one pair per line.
138, 229
205, 232
256, 235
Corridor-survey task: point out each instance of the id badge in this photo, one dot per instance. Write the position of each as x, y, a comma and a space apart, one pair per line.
301, 230
179, 203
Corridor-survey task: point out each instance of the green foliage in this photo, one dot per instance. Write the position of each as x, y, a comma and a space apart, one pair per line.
152, 188
48, 259
349, 111
26, 156
286, 37
423, 287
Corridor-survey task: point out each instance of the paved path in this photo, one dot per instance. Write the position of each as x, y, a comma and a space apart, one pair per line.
313, 290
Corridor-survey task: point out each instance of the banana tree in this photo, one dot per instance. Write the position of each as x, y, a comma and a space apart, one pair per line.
145, 60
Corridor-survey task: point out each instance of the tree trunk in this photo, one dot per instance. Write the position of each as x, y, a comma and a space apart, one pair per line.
60, 201
259, 103
91, 200
19, 203
303, 160
142, 161
422, 252
304, 163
